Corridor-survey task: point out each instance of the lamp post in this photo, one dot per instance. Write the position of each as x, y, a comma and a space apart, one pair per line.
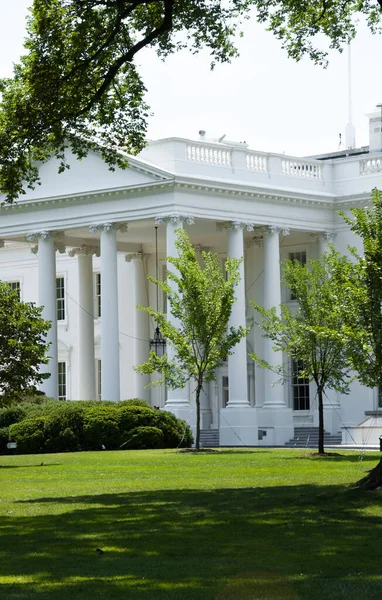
157, 343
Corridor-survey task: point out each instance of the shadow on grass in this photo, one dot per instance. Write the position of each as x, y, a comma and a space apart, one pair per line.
352, 458
277, 543
38, 464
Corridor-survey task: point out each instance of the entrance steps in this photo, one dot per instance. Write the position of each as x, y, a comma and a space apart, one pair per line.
209, 438
307, 437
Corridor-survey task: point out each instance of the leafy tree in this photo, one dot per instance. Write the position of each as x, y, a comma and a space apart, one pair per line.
22, 344
78, 86
312, 334
201, 302
362, 305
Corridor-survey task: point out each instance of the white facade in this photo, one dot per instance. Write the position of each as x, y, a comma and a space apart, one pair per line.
83, 242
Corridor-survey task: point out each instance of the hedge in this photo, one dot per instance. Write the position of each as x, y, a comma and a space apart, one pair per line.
94, 425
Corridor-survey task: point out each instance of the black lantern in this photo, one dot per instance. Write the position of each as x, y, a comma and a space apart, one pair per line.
157, 343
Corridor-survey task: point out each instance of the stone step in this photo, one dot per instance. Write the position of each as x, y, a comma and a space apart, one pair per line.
209, 438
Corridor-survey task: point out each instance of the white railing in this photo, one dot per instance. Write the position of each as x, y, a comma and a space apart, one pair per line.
301, 168
256, 162
369, 166
208, 155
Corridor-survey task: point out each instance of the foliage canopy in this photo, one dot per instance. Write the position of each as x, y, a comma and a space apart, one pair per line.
22, 343
313, 332
201, 302
78, 86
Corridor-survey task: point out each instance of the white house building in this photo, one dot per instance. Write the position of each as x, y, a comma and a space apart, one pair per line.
83, 242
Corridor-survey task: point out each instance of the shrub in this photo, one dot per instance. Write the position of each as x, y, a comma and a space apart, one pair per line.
11, 414
130, 417
134, 402
101, 428
176, 432
29, 435
4, 438
145, 438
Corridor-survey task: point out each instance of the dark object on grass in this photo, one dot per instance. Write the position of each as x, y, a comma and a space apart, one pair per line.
100, 552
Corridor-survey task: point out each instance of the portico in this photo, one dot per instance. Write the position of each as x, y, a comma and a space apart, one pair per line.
233, 201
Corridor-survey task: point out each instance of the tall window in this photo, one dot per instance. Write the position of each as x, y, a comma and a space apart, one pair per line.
301, 258
98, 295
225, 390
62, 380
60, 298
15, 287
98, 374
300, 387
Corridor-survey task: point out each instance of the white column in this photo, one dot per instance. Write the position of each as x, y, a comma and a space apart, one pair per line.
178, 398
110, 387
178, 401
237, 361
272, 297
86, 357
324, 239
238, 421
46, 253
141, 322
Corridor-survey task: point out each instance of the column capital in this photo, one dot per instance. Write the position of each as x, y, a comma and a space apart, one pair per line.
44, 235
276, 229
328, 236
136, 256
235, 225
108, 227
85, 250
175, 219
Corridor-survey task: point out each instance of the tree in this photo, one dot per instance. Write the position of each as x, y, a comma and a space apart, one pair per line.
78, 87
312, 335
200, 299
362, 306
22, 343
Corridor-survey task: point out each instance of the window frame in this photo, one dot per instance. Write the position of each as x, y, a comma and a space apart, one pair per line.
301, 383
62, 384
61, 299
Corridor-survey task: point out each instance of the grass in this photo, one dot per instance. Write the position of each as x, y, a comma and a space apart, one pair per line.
231, 525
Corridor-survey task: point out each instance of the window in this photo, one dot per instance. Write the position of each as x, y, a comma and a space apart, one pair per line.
300, 387
379, 397
301, 258
60, 298
225, 391
98, 294
98, 382
15, 287
62, 380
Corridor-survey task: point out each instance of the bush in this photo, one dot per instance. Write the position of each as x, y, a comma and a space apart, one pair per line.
4, 438
134, 402
29, 435
145, 438
11, 414
101, 428
55, 426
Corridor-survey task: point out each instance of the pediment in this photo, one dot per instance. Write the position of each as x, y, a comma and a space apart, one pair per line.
91, 175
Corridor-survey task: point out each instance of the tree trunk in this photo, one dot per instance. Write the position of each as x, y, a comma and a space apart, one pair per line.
321, 449
197, 441
373, 480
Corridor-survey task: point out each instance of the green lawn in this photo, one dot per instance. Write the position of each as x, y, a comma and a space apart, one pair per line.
230, 525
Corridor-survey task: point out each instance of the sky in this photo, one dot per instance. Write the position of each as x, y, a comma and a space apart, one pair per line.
263, 97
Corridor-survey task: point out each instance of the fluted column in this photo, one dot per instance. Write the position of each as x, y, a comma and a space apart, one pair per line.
176, 399
109, 321
46, 254
86, 357
272, 297
237, 361
141, 321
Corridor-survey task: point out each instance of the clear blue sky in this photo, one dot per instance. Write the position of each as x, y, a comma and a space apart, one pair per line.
262, 97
